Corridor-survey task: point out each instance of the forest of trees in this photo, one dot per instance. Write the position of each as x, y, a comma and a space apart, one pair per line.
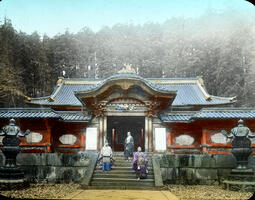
218, 46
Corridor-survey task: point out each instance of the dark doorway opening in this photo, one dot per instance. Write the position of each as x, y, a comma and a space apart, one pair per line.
117, 128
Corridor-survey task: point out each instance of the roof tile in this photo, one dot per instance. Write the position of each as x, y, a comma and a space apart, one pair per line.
188, 91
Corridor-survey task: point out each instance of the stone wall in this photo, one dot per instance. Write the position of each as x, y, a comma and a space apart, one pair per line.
175, 168
55, 167
196, 169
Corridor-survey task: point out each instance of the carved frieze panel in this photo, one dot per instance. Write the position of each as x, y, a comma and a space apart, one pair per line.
219, 138
184, 139
68, 139
34, 137
125, 105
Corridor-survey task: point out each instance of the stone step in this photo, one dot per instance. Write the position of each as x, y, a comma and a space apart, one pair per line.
127, 164
117, 168
121, 176
119, 181
125, 161
240, 175
137, 183
118, 175
120, 187
130, 159
122, 180
99, 171
122, 153
123, 168
121, 171
122, 158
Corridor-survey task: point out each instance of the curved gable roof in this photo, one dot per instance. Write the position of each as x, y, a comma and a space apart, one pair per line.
190, 91
127, 77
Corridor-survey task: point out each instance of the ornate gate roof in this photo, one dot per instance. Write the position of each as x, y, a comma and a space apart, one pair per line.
189, 91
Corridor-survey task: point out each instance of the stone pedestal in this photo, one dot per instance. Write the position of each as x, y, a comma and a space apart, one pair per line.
240, 180
10, 174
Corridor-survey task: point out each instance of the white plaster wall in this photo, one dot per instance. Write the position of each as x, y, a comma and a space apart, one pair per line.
91, 138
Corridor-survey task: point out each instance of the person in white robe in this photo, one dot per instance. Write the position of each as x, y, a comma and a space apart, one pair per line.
106, 156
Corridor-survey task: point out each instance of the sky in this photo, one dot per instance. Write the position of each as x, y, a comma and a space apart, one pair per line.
56, 16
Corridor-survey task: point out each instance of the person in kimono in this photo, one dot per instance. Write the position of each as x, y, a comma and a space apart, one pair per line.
140, 164
129, 147
106, 156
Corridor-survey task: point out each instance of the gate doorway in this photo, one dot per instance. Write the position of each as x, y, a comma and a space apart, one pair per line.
117, 128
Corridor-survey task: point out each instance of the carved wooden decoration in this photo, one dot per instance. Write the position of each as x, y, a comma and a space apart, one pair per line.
68, 139
126, 88
34, 137
184, 140
219, 138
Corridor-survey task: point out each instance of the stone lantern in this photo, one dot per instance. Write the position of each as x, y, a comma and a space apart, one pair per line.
241, 143
10, 172
241, 177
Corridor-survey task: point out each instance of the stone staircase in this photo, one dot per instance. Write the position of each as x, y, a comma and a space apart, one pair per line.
122, 176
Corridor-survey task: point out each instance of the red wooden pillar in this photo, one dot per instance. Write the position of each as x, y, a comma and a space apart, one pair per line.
150, 134
170, 141
48, 136
203, 141
113, 138
141, 140
82, 142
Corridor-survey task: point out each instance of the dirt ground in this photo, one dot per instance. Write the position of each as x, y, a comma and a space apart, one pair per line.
58, 191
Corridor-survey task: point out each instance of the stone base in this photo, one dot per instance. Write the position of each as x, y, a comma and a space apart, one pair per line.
241, 175
11, 173
13, 184
244, 186
12, 178
240, 180
242, 171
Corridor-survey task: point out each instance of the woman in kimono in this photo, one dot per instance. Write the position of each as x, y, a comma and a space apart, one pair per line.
140, 164
129, 147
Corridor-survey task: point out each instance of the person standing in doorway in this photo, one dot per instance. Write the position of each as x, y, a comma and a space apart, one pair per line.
129, 147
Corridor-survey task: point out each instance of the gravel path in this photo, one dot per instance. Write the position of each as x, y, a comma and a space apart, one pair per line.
58, 191
42, 191
202, 192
